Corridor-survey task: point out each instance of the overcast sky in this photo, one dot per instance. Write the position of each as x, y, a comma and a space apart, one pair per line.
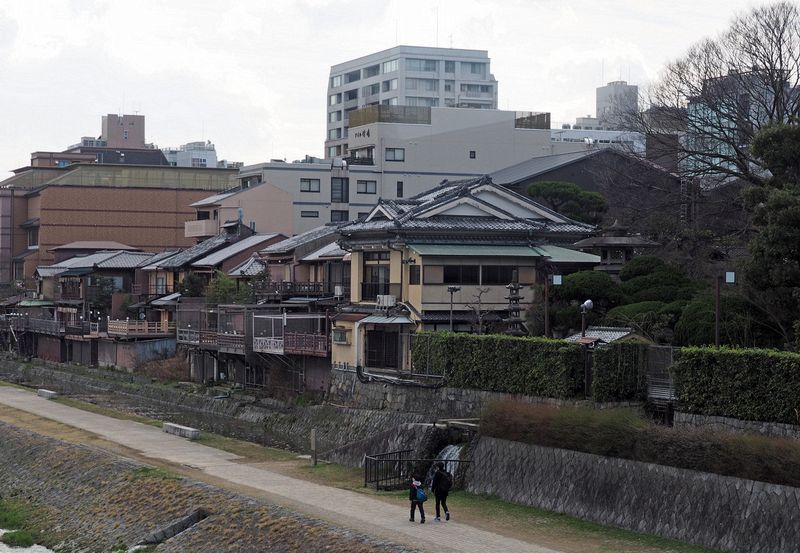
251, 76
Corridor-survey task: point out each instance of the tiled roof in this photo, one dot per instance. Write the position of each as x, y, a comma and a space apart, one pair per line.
330, 251
125, 260
249, 267
196, 252
94, 245
286, 246
117, 259
537, 166
238, 247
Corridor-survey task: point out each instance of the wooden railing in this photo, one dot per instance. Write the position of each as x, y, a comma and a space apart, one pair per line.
188, 336
208, 338
233, 343
306, 344
128, 328
152, 289
45, 326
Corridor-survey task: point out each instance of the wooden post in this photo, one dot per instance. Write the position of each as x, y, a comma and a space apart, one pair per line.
314, 446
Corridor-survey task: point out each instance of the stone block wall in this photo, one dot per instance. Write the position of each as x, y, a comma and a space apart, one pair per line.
728, 424
729, 514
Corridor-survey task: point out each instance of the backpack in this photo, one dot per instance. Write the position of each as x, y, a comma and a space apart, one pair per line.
446, 482
421, 496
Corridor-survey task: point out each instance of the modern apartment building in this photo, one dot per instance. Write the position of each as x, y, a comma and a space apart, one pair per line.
406, 76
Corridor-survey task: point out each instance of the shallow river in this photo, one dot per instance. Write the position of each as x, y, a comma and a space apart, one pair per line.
35, 549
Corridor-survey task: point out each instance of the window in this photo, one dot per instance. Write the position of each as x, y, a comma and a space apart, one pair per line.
336, 81
352, 76
497, 274
351, 95
475, 68
389, 102
309, 185
448, 86
309, 214
449, 67
340, 190
334, 99
198, 162
334, 116
331, 151
460, 274
395, 154
421, 65
413, 274
472, 154
399, 189
203, 215
389, 85
33, 237
334, 134
426, 85
339, 216
340, 336
372, 70
372, 89
376, 256
389, 66
424, 102
366, 186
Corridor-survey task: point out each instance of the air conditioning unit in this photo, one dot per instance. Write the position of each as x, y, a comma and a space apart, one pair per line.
338, 290
386, 300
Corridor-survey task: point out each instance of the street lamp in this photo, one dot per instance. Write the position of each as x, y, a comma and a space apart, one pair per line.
452, 290
585, 308
730, 278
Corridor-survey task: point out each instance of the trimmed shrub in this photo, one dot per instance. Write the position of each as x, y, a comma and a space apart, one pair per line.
621, 433
639, 266
584, 285
632, 311
748, 384
619, 372
498, 363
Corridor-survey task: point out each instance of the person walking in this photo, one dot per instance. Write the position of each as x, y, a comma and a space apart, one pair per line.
417, 497
440, 486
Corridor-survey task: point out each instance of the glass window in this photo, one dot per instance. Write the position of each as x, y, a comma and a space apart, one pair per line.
309, 185
399, 189
33, 237
371, 71
340, 192
309, 214
334, 134
334, 116
448, 86
497, 274
352, 76
460, 274
421, 65
334, 99
331, 151
472, 154
366, 186
372, 89
203, 215
449, 67
339, 215
389, 85
389, 102
395, 154
336, 81
421, 101
351, 95
413, 274
389, 66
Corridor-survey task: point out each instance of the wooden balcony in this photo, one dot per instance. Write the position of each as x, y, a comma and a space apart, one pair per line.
152, 289
293, 343
45, 326
208, 338
129, 329
231, 343
188, 336
272, 345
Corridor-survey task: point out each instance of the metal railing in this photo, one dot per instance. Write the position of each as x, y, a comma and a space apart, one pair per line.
306, 344
45, 326
264, 344
129, 328
306, 288
393, 470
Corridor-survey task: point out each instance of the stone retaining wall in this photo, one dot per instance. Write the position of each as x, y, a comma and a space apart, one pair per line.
262, 420
92, 501
346, 389
728, 424
720, 512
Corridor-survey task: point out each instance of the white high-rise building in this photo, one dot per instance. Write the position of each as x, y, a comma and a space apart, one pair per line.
406, 76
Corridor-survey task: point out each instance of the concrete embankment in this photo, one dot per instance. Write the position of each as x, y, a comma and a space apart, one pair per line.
93, 501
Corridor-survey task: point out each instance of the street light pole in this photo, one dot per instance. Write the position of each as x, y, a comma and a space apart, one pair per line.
718, 285
452, 290
585, 307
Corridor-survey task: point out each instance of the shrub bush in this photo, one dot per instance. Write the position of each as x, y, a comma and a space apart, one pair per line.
619, 372
639, 266
18, 538
621, 433
632, 311
531, 366
749, 384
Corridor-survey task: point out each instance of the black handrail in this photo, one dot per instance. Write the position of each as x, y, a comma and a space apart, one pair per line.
393, 470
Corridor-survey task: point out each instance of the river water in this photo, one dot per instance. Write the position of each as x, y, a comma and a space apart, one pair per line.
35, 549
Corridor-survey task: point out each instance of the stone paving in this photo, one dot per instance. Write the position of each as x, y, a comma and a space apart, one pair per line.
342, 507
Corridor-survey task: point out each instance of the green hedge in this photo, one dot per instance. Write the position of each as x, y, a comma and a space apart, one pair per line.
499, 363
619, 372
748, 384
620, 433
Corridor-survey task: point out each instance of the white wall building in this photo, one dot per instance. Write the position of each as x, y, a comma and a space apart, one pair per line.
406, 76
192, 154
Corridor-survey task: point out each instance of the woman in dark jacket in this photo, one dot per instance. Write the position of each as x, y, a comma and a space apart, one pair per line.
442, 482
415, 503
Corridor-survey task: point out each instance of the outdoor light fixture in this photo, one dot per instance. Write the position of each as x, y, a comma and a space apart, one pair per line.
585, 308
452, 290
730, 279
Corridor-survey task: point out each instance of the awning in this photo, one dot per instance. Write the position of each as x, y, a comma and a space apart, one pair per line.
171, 299
387, 320
35, 303
557, 254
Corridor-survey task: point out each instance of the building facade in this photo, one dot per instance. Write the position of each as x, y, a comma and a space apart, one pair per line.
406, 76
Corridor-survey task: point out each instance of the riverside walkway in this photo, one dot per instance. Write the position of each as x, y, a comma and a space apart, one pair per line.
341, 507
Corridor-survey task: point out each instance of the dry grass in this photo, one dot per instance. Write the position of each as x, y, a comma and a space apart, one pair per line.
174, 369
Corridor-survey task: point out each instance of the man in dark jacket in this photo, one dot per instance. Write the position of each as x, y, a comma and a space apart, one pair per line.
413, 496
442, 482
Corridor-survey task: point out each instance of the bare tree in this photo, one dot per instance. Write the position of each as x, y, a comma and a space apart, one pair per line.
706, 106
477, 309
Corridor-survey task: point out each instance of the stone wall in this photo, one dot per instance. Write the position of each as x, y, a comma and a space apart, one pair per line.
720, 512
89, 500
728, 424
261, 420
346, 389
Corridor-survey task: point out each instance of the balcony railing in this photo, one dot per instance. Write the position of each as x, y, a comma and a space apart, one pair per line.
232, 343
204, 227
45, 326
359, 160
290, 288
188, 336
306, 344
152, 289
208, 338
371, 290
140, 328
268, 345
